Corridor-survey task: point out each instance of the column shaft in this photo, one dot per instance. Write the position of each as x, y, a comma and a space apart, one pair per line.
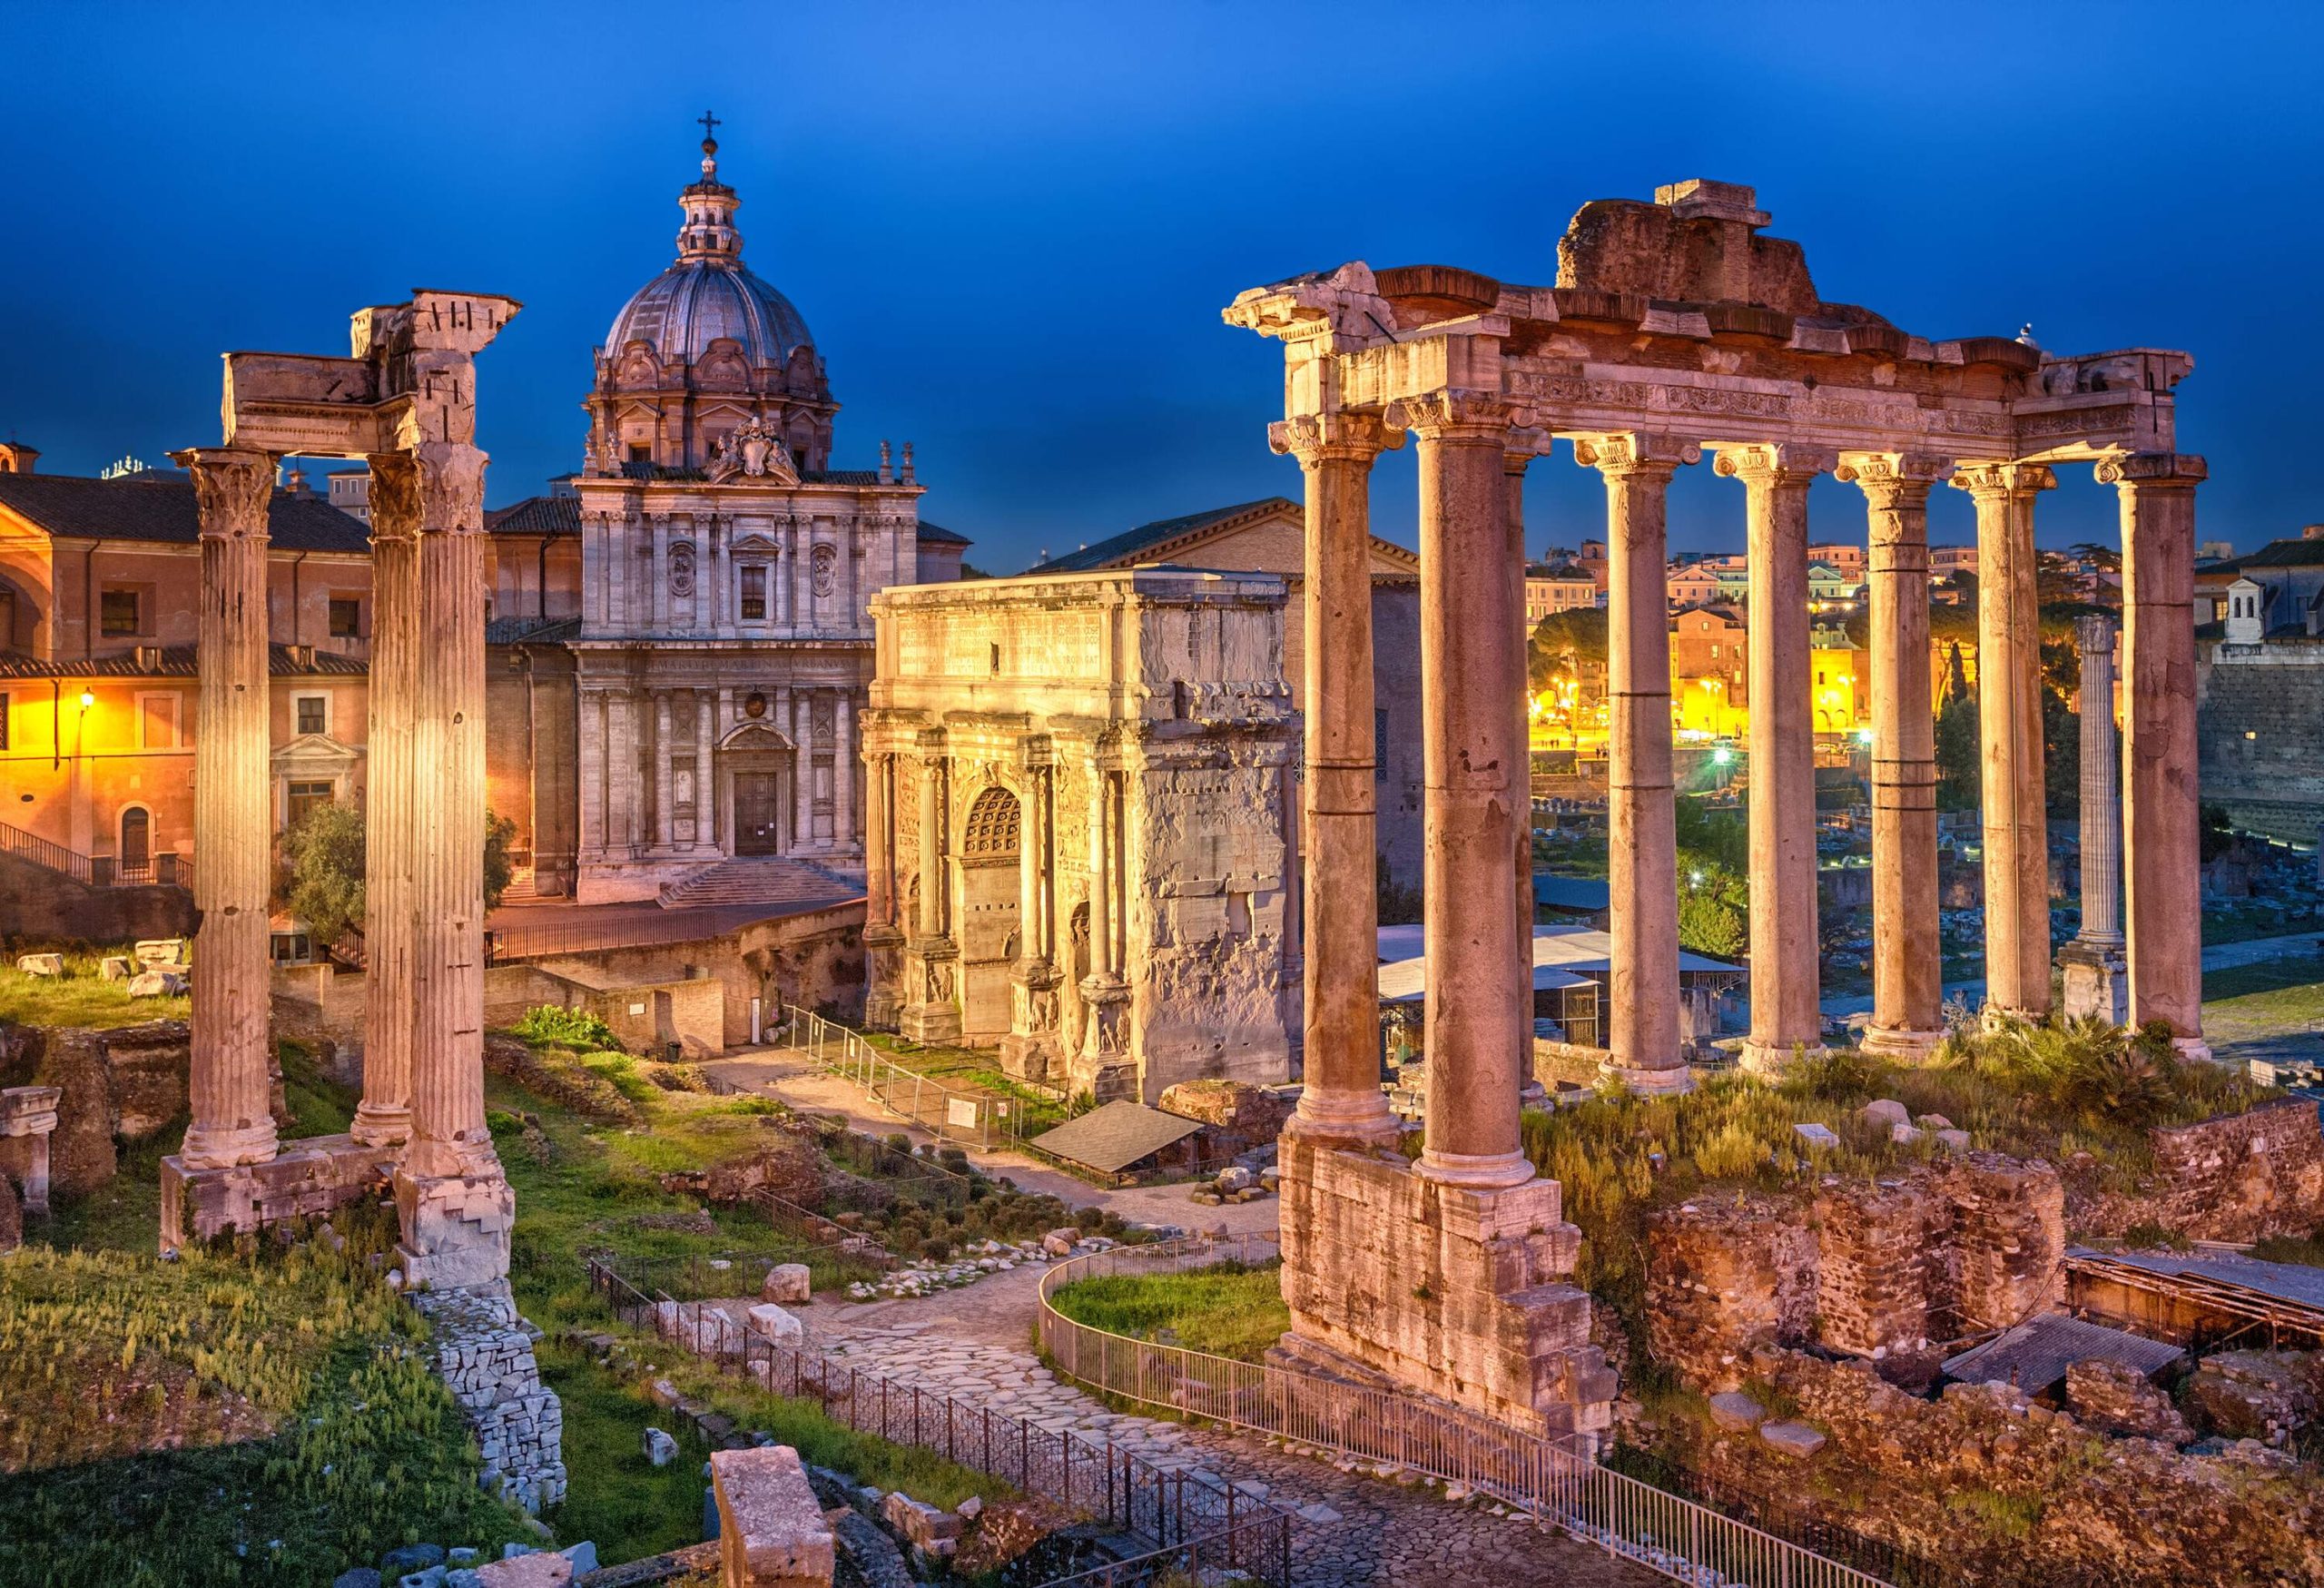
802, 734
1784, 1018
2101, 839
878, 841
1342, 1097
228, 1086
1641, 817
2009, 731
932, 844
1101, 880
2162, 818
666, 819
843, 765
385, 1113
1473, 639
1907, 957
706, 804
449, 1134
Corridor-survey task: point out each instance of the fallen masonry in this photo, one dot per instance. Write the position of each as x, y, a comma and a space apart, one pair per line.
484, 1355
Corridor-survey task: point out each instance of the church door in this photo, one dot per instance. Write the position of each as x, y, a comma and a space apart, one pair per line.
757, 813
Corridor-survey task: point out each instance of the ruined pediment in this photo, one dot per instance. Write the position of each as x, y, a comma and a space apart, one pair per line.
1698, 242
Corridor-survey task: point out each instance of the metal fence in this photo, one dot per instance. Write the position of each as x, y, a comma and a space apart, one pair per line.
1177, 1514
100, 871
1550, 1479
968, 1115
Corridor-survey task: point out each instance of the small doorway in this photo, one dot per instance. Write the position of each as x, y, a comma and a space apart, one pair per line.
758, 809
136, 840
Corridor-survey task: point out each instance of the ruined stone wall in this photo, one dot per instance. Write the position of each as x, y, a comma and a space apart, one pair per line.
2238, 1177
1460, 1294
484, 1356
37, 902
1872, 1250
1726, 1280
1982, 1483
2272, 781
126, 1084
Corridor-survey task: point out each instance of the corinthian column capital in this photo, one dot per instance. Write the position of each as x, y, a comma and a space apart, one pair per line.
2153, 470
1983, 480
1454, 416
232, 487
1774, 463
1893, 479
1349, 438
1630, 452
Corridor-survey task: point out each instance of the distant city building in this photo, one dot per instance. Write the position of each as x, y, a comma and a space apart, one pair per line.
1561, 588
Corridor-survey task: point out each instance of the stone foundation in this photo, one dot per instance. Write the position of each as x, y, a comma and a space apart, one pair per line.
485, 1357
1458, 1292
309, 1179
2238, 1177
1726, 1280
456, 1228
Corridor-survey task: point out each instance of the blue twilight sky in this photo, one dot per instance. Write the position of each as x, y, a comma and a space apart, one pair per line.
1011, 227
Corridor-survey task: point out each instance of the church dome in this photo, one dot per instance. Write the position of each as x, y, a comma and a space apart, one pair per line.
697, 301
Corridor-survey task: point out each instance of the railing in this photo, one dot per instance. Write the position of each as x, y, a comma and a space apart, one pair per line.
956, 1114
644, 929
1177, 1514
1547, 1478
102, 871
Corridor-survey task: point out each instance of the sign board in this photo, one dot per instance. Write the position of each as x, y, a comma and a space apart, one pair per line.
961, 1112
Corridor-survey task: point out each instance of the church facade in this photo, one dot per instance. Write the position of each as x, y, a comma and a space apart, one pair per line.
723, 651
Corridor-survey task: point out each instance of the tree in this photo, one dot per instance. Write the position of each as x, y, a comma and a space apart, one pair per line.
1958, 754
1714, 909
322, 868
1579, 630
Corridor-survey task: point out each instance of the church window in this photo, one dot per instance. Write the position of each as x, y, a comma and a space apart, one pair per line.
640, 452
753, 602
346, 617
305, 797
313, 713
118, 611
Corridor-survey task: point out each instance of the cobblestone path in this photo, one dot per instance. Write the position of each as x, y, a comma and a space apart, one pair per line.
1356, 1529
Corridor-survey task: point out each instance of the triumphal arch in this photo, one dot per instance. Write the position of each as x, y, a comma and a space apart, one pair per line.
1080, 825
1675, 328
405, 402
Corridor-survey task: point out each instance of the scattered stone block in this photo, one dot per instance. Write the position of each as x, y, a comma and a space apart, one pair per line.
922, 1525
660, 1449
1234, 1178
1736, 1412
410, 1557
789, 1282
970, 1509
115, 968
770, 1529
1888, 1110
1953, 1140
1059, 1243
40, 964
1903, 1135
584, 1556
158, 984
542, 1568
1792, 1438
2114, 1398
770, 1322
160, 950
1933, 1122
1818, 1137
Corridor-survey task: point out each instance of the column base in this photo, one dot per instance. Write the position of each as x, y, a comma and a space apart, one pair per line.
209, 1146
2193, 1050
1333, 1120
1658, 1081
931, 1013
883, 968
315, 1176
1034, 1047
1902, 1043
381, 1127
1474, 1171
455, 1227
2094, 983
1772, 1058
1995, 1016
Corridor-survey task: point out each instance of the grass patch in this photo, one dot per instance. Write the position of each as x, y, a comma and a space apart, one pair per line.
2292, 1248
2262, 1000
1228, 1309
78, 997
310, 1434
2011, 1516
615, 1497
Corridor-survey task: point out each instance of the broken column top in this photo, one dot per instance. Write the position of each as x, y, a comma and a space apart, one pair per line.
771, 1526
1699, 198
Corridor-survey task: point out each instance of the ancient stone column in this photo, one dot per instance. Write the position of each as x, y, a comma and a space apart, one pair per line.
229, 1088
882, 938
455, 1202
2009, 731
802, 783
706, 806
1907, 958
1519, 448
1473, 645
2092, 971
1341, 1099
1641, 819
2161, 822
931, 1012
384, 1116
1103, 989
1031, 1042
1785, 1019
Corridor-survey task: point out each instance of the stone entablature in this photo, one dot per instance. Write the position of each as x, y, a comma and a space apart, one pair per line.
1097, 767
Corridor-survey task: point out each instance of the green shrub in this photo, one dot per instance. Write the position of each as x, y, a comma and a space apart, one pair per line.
547, 1024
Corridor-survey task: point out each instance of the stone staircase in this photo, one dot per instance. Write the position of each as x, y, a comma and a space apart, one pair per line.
760, 880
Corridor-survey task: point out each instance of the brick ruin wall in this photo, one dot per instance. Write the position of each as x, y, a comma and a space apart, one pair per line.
2238, 1177
2272, 781
1984, 1481
485, 1357
1870, 1269
126, 1084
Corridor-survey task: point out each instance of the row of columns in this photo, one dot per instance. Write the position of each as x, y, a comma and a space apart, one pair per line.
423, 1079
1477, 789
638, 594
618, 817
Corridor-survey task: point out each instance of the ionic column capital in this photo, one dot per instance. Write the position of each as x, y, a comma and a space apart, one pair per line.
2153, 470
1332, 437
2093, 637
232, 487
1894, 479
1453, 416
2004, 480
1635, 452
1768, 463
